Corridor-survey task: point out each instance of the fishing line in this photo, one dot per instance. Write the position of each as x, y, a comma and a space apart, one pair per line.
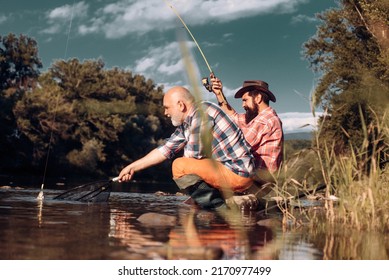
41, 195
190, 33
204, 81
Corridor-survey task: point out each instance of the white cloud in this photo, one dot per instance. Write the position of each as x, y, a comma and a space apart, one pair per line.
67, 11
299, 122
303, 18
144, 64
3, 18
223, 10
126, 17
60, 18
229, 92
228, 37
164, 63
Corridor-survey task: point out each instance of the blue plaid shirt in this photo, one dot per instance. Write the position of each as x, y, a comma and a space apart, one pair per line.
226, 142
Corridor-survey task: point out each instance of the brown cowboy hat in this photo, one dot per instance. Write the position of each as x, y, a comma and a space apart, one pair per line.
256, 84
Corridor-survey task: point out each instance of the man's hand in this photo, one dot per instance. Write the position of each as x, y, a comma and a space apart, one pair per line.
126, 174
217, 86
152, 158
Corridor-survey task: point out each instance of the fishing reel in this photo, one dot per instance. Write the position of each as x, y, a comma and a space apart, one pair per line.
206, 84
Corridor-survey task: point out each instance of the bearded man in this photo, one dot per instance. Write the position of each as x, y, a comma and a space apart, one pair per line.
260, 124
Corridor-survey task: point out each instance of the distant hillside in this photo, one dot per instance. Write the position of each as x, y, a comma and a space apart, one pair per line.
298, 136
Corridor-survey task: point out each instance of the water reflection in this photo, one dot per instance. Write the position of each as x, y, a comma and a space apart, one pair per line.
343, 243
51, 229
136, 243
195, 235
208, 230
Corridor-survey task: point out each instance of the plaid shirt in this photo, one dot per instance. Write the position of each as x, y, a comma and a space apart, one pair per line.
227, 143
264, 134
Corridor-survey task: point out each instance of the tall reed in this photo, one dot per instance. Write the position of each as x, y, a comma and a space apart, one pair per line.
357, 179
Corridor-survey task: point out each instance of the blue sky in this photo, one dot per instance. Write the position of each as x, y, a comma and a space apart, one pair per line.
241, 39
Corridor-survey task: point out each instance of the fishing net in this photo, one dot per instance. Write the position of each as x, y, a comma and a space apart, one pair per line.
92, 192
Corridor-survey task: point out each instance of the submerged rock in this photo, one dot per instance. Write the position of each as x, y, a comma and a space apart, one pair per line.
156, 219
189, 253
271, 222
9, 188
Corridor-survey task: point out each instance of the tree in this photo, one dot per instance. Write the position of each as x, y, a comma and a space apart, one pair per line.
19, 62
95, 120
350, 52
19, 69
374, 16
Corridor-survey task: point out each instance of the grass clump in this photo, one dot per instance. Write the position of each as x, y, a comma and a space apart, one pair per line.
357, 182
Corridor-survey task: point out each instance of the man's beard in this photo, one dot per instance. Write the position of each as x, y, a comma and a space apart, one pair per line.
176, 121
251, 113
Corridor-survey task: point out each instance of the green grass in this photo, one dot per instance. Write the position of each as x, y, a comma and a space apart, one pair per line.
357, 187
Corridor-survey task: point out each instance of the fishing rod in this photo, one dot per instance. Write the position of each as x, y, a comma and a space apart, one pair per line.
204, 80
41, 196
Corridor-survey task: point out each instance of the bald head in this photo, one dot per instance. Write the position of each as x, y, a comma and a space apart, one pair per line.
177, 103
179, 93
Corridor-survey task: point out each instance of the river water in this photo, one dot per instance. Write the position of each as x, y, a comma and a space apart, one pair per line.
140, 223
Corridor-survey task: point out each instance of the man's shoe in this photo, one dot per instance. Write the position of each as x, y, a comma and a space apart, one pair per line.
205, 196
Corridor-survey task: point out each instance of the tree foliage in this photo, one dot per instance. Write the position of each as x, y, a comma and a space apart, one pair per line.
293, 147
77, 117
350, 52
19, 68
19, 62
95, 120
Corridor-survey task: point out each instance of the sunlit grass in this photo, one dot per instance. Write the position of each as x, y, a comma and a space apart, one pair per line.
358, 180
357, 187
356, 193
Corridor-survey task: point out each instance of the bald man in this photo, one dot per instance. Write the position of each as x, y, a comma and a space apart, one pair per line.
217, 158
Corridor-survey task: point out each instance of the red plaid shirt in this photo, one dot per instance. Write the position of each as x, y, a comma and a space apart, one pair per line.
265, 136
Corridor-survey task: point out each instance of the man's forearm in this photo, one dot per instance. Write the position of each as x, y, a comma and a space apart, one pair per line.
153, 158
223, 103
217, 88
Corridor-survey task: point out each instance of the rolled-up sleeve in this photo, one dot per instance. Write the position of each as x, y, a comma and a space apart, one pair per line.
173, 144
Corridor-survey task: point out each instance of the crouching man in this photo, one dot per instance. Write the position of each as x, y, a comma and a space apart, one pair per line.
262, 128
217, 159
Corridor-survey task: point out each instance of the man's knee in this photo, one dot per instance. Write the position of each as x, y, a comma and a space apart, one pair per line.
176, 166
181, 176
